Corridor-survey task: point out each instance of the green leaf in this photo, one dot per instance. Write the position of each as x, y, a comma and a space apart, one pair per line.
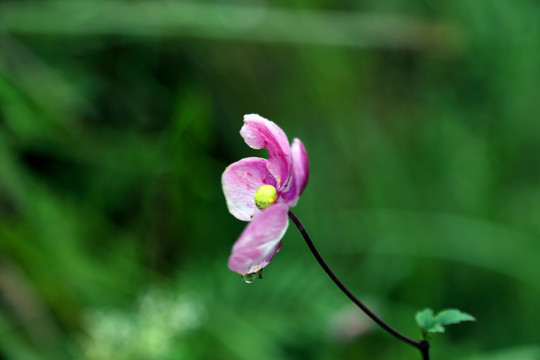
453, 316
430, 323
425, 319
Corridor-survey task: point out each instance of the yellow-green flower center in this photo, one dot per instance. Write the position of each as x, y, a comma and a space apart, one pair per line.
265, 196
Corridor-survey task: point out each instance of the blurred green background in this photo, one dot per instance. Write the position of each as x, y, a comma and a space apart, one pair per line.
421, 120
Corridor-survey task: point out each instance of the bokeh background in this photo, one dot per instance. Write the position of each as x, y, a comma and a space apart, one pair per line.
422, 123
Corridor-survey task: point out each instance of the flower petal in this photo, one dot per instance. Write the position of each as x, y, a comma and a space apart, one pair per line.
259, 133
300, 173
240, 182
260, 241
300, 166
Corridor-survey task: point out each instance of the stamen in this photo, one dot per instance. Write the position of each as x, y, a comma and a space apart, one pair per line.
265, 196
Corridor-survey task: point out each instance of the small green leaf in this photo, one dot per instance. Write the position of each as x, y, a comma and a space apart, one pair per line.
437, 328
425, 319
430, 323
452, 316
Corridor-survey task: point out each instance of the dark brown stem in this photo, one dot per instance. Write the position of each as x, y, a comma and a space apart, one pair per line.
422, 346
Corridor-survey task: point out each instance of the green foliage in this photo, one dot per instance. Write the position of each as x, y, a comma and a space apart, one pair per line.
117, 119
150, 331
513, 353
430, 323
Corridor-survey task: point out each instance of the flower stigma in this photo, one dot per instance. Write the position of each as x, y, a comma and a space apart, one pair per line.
265, 196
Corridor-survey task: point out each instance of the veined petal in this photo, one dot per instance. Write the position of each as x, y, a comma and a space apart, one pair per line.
260, 240
240, 182
300, 173
259, 133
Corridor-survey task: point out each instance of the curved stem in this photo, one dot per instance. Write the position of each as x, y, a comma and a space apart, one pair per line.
422, 346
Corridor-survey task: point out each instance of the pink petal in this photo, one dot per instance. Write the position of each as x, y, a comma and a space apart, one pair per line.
259, 133
240, 182
260, 241
300, 171
300, 166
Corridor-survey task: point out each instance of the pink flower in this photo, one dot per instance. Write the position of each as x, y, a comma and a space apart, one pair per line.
262, 191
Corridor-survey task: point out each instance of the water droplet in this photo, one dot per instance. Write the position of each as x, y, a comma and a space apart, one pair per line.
249, 278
